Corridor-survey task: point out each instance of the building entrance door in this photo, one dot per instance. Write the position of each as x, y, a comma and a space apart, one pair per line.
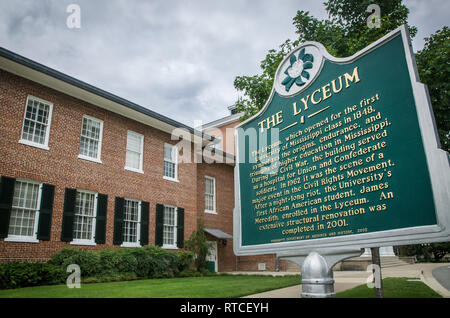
212, 259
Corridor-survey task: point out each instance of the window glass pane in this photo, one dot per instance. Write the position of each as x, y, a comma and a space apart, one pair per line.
134, 142
36, 121
90, 138
169, 169
169, 226
168, 153
24, 208
84, 215
131, 221
133, 154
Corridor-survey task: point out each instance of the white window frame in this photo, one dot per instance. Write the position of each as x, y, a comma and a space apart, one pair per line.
94, 222
29, 239
138, 230
100, 140
47, 131
214, 211
174, 161
140, 169
175, 224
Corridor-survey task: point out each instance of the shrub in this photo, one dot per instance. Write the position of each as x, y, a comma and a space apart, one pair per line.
88, 261
145, 262
15, 275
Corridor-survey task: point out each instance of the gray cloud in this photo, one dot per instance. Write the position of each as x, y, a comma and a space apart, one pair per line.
176, 57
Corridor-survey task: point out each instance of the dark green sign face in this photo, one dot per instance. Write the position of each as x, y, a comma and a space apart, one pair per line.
338, 151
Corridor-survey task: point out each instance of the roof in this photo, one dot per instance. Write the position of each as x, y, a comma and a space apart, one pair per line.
222, 121
49, 77
218, 233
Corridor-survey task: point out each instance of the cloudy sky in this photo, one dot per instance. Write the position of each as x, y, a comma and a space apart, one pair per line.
176, 57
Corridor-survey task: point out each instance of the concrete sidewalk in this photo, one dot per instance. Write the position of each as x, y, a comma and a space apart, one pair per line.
348, 279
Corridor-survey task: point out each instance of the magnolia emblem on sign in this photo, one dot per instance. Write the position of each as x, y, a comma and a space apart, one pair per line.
298, 71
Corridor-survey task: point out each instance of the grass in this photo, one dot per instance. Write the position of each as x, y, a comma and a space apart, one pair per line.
220, 286
393, 288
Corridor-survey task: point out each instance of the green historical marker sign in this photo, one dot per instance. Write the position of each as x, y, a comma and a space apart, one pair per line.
344, 153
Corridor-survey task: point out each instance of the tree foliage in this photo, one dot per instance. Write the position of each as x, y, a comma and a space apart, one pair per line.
343, 34
198, 244
433, 63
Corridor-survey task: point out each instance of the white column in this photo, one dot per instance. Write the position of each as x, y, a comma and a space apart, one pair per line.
384, 251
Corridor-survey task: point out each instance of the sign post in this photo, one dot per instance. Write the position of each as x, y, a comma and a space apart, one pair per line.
343, 156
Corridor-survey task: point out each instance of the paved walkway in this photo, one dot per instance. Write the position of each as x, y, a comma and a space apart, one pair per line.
348, 279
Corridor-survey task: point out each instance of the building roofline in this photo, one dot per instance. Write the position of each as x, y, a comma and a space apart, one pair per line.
16, 58
222, 121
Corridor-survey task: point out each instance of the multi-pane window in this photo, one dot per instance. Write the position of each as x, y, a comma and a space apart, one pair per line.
135, 146
85, 212
91, 138
131, 221
210, 194
24, 212
36, 123
170, 226
170, 162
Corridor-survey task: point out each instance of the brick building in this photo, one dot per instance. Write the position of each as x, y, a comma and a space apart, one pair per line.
82, 167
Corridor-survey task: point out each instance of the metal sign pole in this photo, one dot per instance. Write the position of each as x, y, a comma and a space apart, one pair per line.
378, 286
317, 270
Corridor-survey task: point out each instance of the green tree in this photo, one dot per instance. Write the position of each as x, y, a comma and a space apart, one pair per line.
433, 63
343, 34
198, 244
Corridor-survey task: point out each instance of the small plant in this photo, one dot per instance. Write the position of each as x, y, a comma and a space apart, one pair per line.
198, 244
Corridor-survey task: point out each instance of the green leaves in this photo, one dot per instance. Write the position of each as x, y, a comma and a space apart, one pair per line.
343, 34
434, 71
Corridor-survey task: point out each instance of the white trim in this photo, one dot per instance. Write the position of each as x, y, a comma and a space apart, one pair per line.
141, 157
174, 161
138, 230
170, 179
175, 225
90, 242
222, 121
47, 130
22, 238
100, 140
33, 144
438, 165
214, 195
133, 170
89, 159
214, 245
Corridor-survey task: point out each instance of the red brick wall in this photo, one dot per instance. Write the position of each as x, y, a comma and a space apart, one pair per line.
223, 220
61, 167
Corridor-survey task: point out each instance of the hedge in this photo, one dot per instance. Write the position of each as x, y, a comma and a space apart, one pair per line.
143, 262
16, 275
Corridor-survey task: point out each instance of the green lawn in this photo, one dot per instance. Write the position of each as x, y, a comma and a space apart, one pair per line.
393, 288
222, 286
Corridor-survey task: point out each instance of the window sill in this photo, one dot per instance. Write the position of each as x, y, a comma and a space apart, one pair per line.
210, 212
89, 159
125, 244
33, 144
134, 170
170, 179
21, 239
82, 242
170, 247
